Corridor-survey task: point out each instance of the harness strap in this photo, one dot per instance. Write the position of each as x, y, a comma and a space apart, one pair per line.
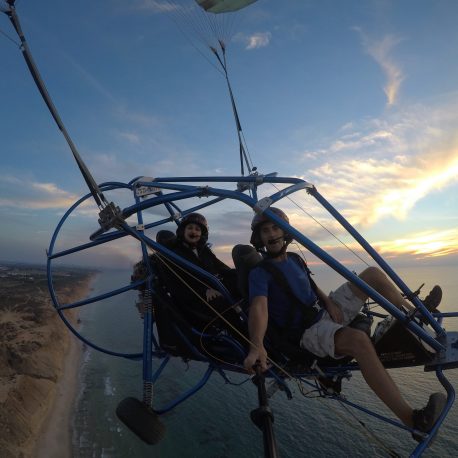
311, 312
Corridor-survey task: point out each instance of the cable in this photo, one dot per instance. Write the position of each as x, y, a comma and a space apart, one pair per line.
10, 38
323, 227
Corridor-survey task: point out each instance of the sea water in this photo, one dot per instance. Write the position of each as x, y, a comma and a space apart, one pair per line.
215, 422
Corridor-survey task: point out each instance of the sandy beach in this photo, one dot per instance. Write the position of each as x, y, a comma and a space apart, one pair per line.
55, 436
39, 364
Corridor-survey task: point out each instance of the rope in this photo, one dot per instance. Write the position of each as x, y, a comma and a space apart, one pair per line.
204, 331
365, 429
323, 226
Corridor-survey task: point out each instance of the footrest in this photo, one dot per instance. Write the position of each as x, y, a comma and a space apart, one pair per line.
447, 359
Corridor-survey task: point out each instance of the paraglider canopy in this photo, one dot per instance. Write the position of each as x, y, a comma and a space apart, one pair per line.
223, 6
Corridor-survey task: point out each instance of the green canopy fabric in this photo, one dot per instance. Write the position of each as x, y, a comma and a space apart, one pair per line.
223, 6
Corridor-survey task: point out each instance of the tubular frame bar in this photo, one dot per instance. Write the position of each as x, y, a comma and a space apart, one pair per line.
321, 254
187, 394
378, 259
148, 335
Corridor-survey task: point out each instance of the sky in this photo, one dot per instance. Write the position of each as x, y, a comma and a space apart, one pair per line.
358, 97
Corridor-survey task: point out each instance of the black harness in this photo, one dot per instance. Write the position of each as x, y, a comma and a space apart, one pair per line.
311, 312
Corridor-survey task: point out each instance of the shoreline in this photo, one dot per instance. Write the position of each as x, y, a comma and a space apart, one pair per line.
55, 435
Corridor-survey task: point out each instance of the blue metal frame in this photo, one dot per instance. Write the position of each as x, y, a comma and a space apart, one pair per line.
168, 191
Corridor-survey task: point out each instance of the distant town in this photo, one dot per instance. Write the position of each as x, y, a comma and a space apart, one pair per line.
31, 272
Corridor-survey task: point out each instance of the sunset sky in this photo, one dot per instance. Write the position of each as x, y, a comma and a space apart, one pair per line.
357, 97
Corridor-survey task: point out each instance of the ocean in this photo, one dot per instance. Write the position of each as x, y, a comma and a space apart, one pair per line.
215, 423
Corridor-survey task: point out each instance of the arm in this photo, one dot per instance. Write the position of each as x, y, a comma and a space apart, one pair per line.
219, 266
331, 307
257, 327
216, 267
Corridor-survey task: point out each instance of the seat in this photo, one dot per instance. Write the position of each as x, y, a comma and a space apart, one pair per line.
181, 327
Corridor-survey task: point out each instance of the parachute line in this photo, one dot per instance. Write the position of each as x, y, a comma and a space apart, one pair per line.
241, 138
191, 42
213, 31
207, 28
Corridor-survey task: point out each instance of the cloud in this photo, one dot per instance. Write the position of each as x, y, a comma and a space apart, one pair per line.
254, 41
139, 119
156, 6
423, 244
20, 193
122, 166
385, 166
355, 141
380, 51
131, 137
376, 188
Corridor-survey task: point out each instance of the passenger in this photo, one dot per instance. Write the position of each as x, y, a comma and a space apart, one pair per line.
321, 325
191, 244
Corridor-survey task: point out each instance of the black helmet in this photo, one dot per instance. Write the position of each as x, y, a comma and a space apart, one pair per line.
259, 219
194, 218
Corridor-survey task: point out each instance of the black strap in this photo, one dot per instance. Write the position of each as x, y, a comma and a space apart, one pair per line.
299, 260
309, 312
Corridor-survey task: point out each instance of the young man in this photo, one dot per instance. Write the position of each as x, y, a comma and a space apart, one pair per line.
323, 329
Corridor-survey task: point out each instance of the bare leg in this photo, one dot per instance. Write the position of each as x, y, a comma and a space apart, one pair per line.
357, 344
375, 278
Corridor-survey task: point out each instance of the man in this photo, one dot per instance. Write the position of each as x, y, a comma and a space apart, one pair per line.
321, 326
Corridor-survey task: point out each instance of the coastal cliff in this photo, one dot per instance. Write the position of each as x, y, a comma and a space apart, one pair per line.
33, 346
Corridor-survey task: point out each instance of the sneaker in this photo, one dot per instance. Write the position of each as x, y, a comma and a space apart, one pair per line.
424, 419
431, 302
433, 299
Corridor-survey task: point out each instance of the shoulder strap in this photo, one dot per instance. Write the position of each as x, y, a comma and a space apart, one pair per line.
309, 313
301, 261
279, 278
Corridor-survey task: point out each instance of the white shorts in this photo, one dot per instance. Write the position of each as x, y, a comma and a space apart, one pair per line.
319, 338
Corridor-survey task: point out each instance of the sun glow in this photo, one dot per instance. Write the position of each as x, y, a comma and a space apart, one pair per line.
424, 244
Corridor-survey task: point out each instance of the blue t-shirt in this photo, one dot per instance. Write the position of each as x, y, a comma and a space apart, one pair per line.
261, 283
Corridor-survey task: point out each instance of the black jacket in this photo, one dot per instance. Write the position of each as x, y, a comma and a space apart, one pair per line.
183, 286
205, 258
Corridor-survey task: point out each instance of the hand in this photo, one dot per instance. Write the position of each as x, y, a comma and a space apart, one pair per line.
334, 312
212, 294
256, 355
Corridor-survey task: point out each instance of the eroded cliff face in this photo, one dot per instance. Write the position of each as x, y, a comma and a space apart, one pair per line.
33, 345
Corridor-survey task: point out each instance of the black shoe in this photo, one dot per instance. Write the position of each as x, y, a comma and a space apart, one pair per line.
431, 302
424, 419
433, 299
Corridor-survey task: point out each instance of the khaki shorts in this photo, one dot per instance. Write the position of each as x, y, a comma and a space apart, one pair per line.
319, 338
